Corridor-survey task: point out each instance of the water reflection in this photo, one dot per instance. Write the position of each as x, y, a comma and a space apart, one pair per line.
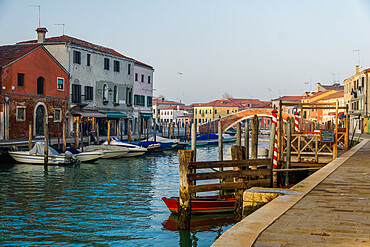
109, 202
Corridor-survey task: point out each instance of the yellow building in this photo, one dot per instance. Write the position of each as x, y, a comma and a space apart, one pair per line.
315, 97
207, 112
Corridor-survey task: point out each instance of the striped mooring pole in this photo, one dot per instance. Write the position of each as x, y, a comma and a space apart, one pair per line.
274, 120
296, 124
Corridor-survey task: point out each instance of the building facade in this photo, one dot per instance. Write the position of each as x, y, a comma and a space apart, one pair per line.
34, 89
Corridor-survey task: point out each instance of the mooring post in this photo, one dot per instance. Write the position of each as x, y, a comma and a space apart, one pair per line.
97, 132
117, 129
185, 157
238, 134
271, 153
46, 143
138, 133
220, 151
178, 130
58, 134
108, 134
238, 153
77, 131
288, 149
173, 130
64, 137
30, 135
335, 146
129, 131
347, 130
194, 140
246, 139
147, 129
82, 136
254, 153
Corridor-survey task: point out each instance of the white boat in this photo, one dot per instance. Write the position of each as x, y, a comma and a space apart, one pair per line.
134, 150
90, 156
36, 156
160, 139
109, 151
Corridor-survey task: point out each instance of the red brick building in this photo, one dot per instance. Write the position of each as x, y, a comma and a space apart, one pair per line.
33, 87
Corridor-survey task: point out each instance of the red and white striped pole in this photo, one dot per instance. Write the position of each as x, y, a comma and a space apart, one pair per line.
274, 120
296, 124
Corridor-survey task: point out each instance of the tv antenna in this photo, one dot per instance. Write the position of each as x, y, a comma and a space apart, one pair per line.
38, 6
61, 24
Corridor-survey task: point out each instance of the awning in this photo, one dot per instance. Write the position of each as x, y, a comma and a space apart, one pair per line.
114, 114
88, 113
148, 115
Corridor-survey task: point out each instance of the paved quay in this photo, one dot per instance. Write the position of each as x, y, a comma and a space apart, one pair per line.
333, 210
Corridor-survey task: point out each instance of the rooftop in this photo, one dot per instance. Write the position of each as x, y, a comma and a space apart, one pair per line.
10, 53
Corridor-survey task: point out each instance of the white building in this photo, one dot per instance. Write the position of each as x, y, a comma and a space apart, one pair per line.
143, 94
101, 80
170, 114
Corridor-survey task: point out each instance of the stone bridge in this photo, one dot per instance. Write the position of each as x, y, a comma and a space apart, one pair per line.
230, 120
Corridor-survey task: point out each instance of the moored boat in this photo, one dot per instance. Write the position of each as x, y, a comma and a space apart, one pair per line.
133, 150
204, 205
36, 156
110, 152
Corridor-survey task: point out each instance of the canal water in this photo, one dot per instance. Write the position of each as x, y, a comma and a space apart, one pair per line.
114, 202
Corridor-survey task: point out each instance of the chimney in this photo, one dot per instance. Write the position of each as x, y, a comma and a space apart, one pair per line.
357, 69
41, 31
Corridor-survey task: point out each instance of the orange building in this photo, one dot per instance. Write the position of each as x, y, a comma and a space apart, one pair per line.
34, 87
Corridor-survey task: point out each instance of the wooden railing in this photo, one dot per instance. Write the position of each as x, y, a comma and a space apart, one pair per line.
243, 174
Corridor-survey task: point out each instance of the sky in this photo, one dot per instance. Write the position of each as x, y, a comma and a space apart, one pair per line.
203, 49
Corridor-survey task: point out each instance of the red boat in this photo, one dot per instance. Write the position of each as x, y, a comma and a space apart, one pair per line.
204, 204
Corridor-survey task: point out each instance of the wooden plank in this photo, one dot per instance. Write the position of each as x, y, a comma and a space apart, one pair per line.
300, 164
297, 169
228, 174
229, 163
229, 185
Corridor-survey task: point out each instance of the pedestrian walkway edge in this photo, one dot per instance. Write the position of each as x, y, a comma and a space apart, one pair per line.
245, 232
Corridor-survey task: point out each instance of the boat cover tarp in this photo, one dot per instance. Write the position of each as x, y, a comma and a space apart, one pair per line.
164, 140
207, 137
38, 149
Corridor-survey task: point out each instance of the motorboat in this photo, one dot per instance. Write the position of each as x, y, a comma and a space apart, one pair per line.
204, 204
37, 153
133, 150
149, 145
162, 140
110, 152
85, 156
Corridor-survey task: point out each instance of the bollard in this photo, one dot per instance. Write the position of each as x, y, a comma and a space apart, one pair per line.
238, 134
254, 150
238, 153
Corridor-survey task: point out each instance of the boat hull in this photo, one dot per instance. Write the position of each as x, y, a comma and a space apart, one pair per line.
25, 157
203, 205
89, 156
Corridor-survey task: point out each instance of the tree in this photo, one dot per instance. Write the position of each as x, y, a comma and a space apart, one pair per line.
226, 95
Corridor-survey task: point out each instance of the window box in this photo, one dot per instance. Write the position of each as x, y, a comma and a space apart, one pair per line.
105, 102
116, 104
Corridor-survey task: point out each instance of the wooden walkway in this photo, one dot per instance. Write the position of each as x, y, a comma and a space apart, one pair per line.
333, 210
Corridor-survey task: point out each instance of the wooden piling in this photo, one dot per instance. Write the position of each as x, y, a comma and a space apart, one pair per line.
77, 127
186, 131
173, 130
64, 137
97, 132
238, 153
238, 134
185, 157
288, 150
194, 140
335, 146
147, 129
138, 133
254, 153
347, 130
220, 144
246, 139
108, 133
82, 136
178, 130
58, 134
154, 130
273, 179
129, 131
117, 129
46, 143
30, 135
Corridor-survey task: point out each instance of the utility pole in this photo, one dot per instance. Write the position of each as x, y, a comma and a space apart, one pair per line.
38, 6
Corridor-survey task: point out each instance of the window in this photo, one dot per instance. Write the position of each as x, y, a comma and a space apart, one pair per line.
136, 77
21, 113
139, 100
106, 63
88, 58
149, 101
215, 111
142, 100
57, 115
40, 85
136, 99
76, 93
129, 96
20, 79
363, 82
129, 69
116, 66
77, 57
142, 78
206, 111
227, 111
60, 84
89, 93
105, 92
148, 79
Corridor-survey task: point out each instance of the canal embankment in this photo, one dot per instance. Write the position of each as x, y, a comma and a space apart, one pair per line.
330, 208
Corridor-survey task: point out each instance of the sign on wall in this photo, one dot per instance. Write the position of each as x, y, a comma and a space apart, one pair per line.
327, 135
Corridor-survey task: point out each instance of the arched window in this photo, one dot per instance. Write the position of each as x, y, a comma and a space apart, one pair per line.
105, 92
115, 94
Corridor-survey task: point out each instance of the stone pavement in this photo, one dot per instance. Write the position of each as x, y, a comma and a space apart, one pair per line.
331, 208
334, 213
